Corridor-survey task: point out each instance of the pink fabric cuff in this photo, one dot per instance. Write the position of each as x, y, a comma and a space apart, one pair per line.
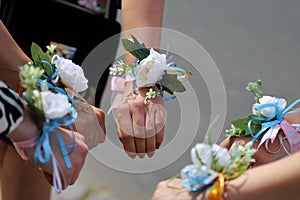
20, 146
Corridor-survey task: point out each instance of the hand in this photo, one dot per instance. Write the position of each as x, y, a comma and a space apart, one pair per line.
140, 127
262, 155
166, 190
77, 158
28, 129
90, 123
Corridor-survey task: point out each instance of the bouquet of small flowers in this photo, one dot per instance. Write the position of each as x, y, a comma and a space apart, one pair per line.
266, 120
150, 69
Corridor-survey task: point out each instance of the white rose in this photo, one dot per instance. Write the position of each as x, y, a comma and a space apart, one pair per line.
222, 155
268, 111
55, 105
71, 73
204, 152
150, 70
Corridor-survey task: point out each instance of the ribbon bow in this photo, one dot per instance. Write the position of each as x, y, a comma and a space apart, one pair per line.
43, 151
271, 125
193, 181
116, 84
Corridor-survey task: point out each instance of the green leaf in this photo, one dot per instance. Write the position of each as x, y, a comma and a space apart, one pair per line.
137, 49
171, 84
242, 124
38, 55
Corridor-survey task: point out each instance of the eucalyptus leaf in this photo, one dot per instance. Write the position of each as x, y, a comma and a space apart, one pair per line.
38, 55
171, 83
137, 49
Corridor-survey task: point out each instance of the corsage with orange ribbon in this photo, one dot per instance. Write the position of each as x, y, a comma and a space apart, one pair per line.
150, 69
213, 166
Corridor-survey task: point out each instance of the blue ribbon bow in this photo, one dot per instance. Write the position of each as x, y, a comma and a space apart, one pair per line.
269, 122
51, 80
43, 152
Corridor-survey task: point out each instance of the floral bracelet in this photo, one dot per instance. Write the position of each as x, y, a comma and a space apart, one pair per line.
213, 166
51, 84
267, 119
150, 70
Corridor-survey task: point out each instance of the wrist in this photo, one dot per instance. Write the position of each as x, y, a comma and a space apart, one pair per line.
26, 130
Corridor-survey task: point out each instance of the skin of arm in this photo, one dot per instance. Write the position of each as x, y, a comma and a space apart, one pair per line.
277, 176
277, 180
11, 57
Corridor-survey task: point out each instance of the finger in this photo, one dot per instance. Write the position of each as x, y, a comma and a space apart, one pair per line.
125, 130
159, 125
101, 119
226, 143
150, 133
77, 156
48, 178
78, 164
138, 120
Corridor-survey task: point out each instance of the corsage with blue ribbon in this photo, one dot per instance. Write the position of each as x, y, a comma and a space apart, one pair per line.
51, 84
267, 119
150, 69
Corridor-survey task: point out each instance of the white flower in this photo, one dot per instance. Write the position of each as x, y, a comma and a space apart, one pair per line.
117, 68
151, 93
55, 105
71, 73
221, 155
269, 111
150, 70
204, 152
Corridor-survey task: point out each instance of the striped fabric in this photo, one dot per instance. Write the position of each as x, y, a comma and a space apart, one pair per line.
11, 109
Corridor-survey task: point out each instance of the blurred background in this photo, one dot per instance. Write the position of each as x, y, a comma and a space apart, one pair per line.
247, 40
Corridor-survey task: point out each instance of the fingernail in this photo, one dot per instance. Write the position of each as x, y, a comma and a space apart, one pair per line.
157, 145
131, 155
142, 155
124, 147
150, 155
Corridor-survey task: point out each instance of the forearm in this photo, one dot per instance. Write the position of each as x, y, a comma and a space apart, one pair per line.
11, 57
277, 180
137, 14
15, 122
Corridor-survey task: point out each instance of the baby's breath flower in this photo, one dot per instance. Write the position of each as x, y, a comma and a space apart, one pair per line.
51, 48
118, 68
151, 94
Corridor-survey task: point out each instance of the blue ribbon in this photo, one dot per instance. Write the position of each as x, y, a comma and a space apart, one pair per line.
269, 122
133, 65
165, 99
43, 152
49, 83
174, 68
194, 183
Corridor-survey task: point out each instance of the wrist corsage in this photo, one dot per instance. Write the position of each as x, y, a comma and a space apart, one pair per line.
267, 119
51, 84
151, 69
212, 166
